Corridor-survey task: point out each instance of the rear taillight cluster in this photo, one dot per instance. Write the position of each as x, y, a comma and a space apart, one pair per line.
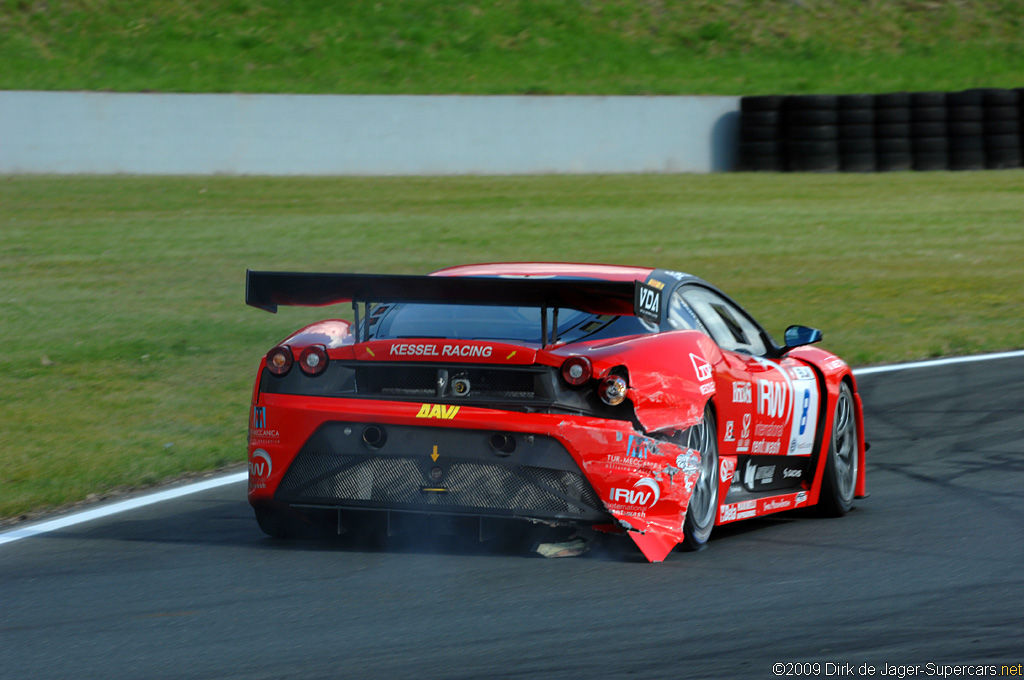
313, 360
578, 371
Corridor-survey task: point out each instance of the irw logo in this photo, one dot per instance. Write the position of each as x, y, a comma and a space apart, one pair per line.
260, 465
637, 495
772, 398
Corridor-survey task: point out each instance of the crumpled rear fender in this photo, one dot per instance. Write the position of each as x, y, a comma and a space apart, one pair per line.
644, 483
671, 376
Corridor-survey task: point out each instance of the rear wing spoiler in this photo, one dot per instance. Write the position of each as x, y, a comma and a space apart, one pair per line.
268, 290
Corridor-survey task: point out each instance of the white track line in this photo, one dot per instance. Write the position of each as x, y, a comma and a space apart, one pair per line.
937, 362
121, 506
160, 496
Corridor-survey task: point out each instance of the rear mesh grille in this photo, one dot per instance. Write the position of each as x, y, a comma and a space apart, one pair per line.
320, 478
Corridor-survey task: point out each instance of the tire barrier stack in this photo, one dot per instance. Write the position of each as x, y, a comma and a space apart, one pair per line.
969, 130
929, 126
761, 133
858, 151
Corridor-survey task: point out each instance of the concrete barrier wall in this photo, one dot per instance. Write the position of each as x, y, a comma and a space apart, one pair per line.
170, 134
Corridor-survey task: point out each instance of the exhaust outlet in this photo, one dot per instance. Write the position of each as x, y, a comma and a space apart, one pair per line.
503, 444
374, 437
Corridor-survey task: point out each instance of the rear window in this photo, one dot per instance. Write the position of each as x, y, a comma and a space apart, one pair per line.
483, 322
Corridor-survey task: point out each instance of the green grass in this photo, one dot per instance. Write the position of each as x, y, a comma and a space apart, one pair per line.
512, 46
129, 354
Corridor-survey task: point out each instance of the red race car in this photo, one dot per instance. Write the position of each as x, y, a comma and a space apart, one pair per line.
624, 399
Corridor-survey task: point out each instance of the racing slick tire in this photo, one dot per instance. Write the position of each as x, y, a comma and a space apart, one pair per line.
840, 480
702, 509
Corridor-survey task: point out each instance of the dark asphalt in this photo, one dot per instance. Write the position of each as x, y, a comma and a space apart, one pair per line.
930, 568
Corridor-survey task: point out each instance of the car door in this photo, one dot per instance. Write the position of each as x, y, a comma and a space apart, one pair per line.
768, 406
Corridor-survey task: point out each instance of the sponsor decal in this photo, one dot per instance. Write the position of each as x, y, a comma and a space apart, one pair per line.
790, 473
800, 373
726, 467
260, 464
436, 350
772, 398
439, 411
795, 401
804, 408
260, 467
746, 509
742, 393
647, 302
758, 474
678, 276
767, 447
701, 367
259, 432
775, 504
744, 441
639, 447
687, 462
656, 284
834, 364
768, 430
637, 496
741, 510
800, 498
730, 435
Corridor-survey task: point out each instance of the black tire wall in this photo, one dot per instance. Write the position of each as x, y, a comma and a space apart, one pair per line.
973, 129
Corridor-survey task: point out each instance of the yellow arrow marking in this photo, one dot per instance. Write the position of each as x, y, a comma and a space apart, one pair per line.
435, 455
510, 355
370, 352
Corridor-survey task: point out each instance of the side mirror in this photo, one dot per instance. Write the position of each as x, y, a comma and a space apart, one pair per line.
797, 336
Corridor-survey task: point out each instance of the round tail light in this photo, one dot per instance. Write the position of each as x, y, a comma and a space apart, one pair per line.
313, 360
612, 390
577, 370
279, 360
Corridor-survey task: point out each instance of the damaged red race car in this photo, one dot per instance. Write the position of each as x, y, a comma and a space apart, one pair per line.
623, 399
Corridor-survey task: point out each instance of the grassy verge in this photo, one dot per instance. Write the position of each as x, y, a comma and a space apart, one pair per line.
128, 352
512, 46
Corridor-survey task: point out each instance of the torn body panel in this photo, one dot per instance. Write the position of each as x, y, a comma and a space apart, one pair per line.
671, 376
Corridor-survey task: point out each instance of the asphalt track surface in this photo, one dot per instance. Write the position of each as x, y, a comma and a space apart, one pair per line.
928, 569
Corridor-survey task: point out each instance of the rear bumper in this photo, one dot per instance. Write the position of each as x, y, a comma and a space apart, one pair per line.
310, 451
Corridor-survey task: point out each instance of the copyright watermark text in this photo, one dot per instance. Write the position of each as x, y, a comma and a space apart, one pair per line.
899, 671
